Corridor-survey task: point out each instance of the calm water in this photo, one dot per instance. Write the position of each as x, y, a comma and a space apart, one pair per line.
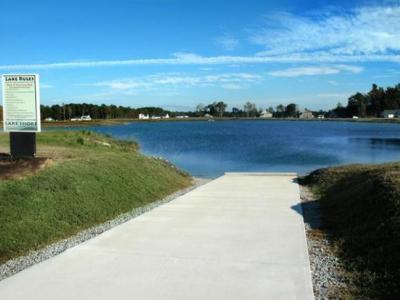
209, 149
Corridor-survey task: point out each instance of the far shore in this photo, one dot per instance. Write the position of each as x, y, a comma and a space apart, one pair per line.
103, 122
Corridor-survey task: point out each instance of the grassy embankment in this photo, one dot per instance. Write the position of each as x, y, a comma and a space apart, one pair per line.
360, 212
90, 179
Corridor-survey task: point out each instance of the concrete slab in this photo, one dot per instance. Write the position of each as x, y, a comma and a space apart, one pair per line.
240, 236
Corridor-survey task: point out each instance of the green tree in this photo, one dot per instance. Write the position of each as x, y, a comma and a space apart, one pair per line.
250, 109
200, 110
291, 110
220, 108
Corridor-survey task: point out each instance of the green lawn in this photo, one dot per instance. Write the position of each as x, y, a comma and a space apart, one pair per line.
360, 211
92, 179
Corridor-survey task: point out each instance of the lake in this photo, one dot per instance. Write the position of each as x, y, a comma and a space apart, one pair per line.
208, 149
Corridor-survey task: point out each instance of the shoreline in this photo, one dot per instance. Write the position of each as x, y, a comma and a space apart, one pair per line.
106, 122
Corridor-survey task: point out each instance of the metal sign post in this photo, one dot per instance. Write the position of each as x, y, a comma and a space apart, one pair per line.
21, 113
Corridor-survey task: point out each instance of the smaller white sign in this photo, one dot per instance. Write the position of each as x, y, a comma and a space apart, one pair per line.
21, 103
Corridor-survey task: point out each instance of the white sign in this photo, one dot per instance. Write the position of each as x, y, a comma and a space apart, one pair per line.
21, 103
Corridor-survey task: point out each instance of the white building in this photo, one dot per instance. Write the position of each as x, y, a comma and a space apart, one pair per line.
86, 118
82, 118
166, 116
266, 114
143, 117
306, 115
391, 113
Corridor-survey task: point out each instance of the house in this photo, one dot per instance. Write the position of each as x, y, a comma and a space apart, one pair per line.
182, 117
321, 117
266, 114
155, 117
306, 114
82, 118
166, 116
143, 117
86, 118
391, 113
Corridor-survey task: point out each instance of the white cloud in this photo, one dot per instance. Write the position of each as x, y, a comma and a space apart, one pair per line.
171, 80
335, 95
315, 70
364, 31
193, 59
227, 42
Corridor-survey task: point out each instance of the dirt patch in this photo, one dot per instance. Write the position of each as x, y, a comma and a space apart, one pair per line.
20, 168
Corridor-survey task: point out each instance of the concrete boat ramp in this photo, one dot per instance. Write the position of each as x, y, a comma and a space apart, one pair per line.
240, 236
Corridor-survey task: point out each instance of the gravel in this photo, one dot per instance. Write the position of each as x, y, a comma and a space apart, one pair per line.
18, 264
327, 272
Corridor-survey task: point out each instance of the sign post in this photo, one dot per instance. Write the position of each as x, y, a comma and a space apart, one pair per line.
21, 113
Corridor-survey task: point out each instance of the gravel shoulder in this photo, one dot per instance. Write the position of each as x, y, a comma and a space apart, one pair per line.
327, 272
18, 264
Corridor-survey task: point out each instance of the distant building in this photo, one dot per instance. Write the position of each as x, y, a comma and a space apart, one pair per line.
82, 118
306, 115
143, 117
86, 118
355, 117
182, 117
155, 117
208, 116
49, 119
391, 113
166, 116
266, 114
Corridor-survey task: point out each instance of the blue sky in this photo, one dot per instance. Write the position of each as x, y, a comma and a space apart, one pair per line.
177, 54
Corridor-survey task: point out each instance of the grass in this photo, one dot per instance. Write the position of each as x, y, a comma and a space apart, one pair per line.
360, 211
93, 178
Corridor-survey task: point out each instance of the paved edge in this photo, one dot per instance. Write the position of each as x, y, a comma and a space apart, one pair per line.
260, 174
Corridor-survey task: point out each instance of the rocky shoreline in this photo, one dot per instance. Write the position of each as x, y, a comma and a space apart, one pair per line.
327, 273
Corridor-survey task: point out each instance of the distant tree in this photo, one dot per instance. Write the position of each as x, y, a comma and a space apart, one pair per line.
376, 100
270, 109
291, 110
339, 112
236, 112
279, 111
220, 108
212, 109
392, 97
200, 110
250, 109
357, 105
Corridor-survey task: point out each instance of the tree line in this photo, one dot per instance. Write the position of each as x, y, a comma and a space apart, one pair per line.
370, 104
103, 111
